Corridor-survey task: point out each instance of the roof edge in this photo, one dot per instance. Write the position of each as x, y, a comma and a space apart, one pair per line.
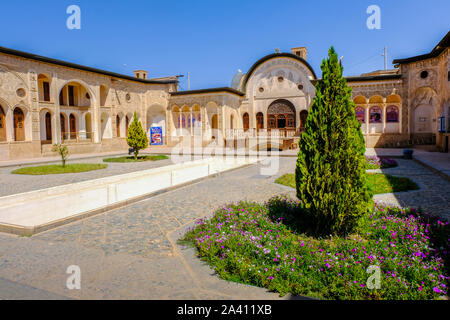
31, 56
437, 50
209, 90
272, 56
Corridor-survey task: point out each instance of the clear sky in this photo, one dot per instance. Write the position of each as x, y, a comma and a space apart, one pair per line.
213, 39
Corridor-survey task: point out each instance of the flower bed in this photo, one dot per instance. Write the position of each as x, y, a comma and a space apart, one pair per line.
374, 162
272, 245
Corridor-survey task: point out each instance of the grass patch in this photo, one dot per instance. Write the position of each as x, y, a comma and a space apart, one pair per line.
268, 245
378, 183
139, 158
383, 183
287, 180
59, 169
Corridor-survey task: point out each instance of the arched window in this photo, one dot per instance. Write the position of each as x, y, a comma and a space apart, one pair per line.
62, 120
44, 88
290, 120
375, 115
214, 122
259, 120
48, 126
246, 121
231, 122
360, 114
392, 114
118, 126
127, 123
303, 117
2, 125
19, 125
281, 114
73, 126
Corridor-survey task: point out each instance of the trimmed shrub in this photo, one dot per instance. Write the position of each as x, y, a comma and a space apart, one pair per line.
330, 172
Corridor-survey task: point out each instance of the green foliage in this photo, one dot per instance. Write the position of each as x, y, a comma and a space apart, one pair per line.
57, 169
376, 182
62, 151
137, 138
330, 172
270, 245
139, 159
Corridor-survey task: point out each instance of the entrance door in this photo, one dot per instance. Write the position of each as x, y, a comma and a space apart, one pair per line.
259, 121
118, 126
48, 126
303, 117
423, 119
19, 128
62, 120
281, 115
246, 120
73, 127
2, 125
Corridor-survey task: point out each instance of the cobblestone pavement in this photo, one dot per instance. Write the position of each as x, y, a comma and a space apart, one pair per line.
433, 195
131, 252
17, 183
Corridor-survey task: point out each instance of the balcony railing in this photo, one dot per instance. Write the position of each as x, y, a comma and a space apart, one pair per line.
77, 136
253, 133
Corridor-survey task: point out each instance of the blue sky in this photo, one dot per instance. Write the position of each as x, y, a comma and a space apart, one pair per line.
213, 39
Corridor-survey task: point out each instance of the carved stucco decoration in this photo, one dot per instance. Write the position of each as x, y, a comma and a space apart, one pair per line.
281, 107
268, 76
10, 82
220, 99
425, 96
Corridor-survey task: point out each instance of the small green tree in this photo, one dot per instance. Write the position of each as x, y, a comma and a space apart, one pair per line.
62, 151
330, 172
137, 138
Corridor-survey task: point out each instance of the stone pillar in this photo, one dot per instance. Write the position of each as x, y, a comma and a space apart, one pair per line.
81, 126
367, 120
55, 99
9, 119
32, 126
384, 117
96, 122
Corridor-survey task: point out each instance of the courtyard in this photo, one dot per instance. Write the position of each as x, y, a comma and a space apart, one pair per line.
133, 252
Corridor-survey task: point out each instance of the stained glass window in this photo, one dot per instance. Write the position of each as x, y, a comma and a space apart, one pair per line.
360, 113
375, 115
392, 114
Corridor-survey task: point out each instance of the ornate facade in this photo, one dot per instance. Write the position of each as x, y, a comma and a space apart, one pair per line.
45, 101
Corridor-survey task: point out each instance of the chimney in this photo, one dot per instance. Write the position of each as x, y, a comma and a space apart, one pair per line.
300, 51
141, 74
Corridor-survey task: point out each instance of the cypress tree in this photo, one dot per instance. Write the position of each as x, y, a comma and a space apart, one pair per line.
137, 138
330, 173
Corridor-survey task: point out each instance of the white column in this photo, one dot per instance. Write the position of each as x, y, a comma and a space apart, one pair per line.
96, 123
82, 126
367, 119
9, 119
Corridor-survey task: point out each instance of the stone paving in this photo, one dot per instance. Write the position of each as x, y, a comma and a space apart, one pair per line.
132, 252
433, 195
17, 183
